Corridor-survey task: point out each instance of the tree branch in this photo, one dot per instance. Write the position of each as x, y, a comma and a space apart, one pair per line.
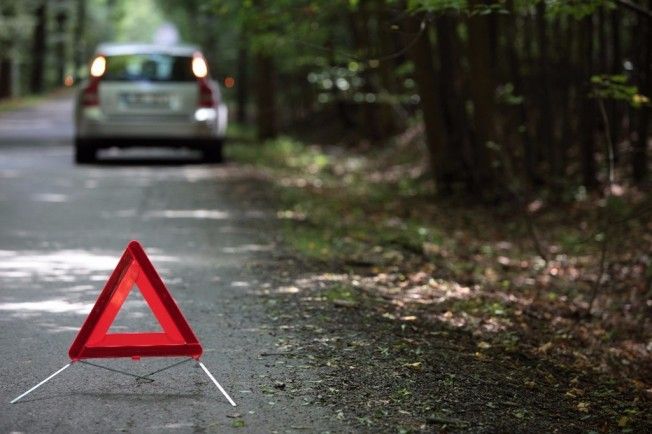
628, 4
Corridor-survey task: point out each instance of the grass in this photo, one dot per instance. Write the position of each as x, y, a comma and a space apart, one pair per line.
20, 102
331, 211
26, 101
280, 153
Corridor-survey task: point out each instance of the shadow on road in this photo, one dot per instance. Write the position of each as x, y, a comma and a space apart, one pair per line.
130, 162
149, 157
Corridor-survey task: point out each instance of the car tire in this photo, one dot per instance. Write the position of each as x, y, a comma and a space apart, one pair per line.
85, 152
213, 151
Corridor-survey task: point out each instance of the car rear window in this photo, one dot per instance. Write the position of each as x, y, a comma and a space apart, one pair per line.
149, 67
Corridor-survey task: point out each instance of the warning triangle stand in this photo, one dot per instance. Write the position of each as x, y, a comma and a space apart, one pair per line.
95, 341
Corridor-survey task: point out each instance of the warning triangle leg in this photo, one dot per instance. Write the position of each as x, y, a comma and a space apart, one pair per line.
226, 395
40, 384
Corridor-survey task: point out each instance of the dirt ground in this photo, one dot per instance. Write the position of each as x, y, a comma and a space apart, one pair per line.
428, 316
378, 372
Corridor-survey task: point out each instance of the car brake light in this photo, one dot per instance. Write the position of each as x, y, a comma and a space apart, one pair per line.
200, 70
98, 66
90, 94
206, 95
199, 67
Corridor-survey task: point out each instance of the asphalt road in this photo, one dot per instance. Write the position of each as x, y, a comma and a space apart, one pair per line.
62, 230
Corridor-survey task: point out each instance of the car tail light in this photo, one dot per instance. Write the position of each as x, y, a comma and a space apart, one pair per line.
98, 66
200, 70
90, 94
206, 94
199, 67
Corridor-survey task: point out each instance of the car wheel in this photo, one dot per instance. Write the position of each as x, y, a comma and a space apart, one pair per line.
85, 152
213, 151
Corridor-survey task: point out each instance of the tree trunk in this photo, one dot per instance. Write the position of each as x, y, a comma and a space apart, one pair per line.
513, 60
457, 150
341, 106
424, 75
588, 111
569, 88
639, 154
80, 44
546, 120
615, 114
493, 31
388, 123
266, 97
360, 33
482, 94
6, 72
38, 48
60, 48
5, 77
242, 85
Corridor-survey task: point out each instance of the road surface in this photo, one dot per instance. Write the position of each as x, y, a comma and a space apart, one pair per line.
63, 228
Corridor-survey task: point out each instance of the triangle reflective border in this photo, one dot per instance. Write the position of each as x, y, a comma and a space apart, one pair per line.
93, 339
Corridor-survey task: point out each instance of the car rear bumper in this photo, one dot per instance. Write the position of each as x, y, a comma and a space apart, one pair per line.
203, 124
143, 141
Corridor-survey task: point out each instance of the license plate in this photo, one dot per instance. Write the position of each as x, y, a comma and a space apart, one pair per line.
146, 100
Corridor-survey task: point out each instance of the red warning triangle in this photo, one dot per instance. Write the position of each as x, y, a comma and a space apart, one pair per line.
177, 338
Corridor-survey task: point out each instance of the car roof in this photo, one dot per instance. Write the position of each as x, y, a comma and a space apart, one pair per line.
116, 49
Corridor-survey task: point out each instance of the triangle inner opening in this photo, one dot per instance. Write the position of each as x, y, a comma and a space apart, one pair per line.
135, 315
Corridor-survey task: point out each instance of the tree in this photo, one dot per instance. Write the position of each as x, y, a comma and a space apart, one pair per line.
38, 48
429, 100
481, 83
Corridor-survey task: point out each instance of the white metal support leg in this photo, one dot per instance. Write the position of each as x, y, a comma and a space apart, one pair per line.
216, 383
226, 395
40, 384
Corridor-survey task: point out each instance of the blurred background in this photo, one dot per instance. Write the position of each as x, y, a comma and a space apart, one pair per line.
553, 93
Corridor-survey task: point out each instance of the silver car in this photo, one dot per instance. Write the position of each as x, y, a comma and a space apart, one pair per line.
149, 95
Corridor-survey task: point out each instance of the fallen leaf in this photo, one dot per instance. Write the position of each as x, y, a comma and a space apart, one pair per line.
574, 392
543, 349
484, 345
431, 249
415, 365
623, 421
344, 303
583, 407
481, 356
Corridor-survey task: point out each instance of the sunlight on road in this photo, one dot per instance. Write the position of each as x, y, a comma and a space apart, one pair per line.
248, 248
62, 265
203, 214
50, 197
210, 214
48, 306
59, 265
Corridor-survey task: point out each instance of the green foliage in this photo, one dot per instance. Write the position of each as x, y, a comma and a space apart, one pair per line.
577, 8
341, 292
617, 87
496, 6
281, 152
140, 22
16, 23
437, 5
505, 95
280, 26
